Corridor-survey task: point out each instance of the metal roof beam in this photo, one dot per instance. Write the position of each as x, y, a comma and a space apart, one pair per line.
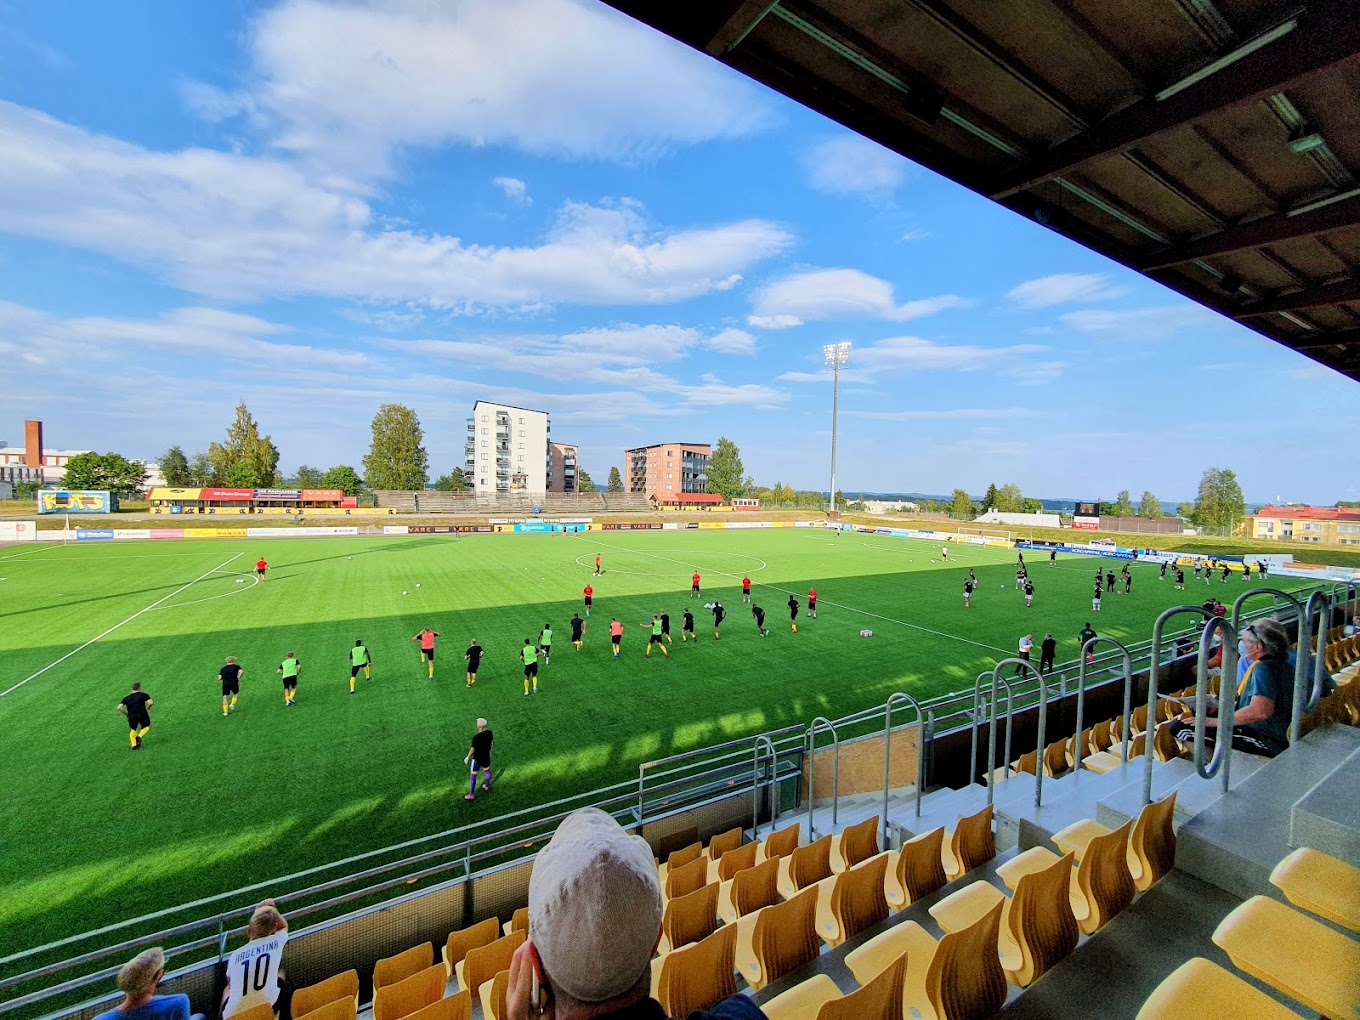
1310, 297
1258, 233
745, 16
1341, 338
1327, 34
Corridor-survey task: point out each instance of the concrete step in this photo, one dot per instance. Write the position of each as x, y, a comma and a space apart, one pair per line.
1193, 794
1236, 841
1327, 817
942, 808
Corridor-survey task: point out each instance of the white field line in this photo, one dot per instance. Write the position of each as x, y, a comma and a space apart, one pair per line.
838, 605
106, 633
27, 552
254, 580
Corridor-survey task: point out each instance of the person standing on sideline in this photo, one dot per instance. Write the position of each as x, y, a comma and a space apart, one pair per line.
479, 754
578, 627
694, 585
745, 588
812, 603
474, 660
289, 670
615, 635
254, 972
759, 614
529, 656
545, 643
1029, 593
1086, 634
137, 980
426, 638
1026, 646
1048, 653
230, 675
597, 566
359, 659
136, 705
718, 613
589, 594
656, 637
260, 567
687, 628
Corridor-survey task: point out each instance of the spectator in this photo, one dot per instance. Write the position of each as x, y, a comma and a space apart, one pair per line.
137, 980
594, 923
1048, 652
1265, 695
1026, 646
254, 972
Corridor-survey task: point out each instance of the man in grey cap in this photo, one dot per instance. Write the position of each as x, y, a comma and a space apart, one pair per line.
594, 924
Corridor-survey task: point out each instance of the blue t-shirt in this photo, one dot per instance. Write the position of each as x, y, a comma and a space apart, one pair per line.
1270, 678
161, 1007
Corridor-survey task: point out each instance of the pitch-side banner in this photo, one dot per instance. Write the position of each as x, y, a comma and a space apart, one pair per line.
18, 531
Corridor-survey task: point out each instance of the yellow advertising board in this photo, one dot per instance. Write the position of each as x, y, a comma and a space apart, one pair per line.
173, 494
712, 524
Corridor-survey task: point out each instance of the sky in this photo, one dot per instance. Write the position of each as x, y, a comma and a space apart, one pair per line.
319, 206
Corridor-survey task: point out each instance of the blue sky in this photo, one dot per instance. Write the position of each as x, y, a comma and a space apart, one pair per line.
321, 206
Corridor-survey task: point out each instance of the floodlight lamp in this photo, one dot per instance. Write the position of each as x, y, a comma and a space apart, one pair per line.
836, 354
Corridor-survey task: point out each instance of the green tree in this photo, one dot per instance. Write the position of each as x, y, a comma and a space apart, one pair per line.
85, 471
201, 470
1149, 506
962, 504
397, 457
1009, 499
454, 481
615, 481
1186, 511
308, 477
584, 483
991, 499
26, 490
725, 471
1032, 506
105, 471
344, 478
245, 453
1123, 504
175, 467
1220, 503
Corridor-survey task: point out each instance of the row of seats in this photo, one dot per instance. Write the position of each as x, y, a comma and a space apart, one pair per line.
1102, 746
1310, 963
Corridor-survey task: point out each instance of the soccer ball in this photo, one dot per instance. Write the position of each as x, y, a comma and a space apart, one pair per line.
240, 580
349, 557
404, 593
417, 584
1003, 587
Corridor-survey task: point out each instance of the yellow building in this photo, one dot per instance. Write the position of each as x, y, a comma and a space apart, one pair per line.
1322, 525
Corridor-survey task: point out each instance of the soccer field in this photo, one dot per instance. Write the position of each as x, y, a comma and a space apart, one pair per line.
94, 833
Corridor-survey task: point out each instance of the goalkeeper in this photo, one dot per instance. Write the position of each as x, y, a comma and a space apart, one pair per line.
479, 756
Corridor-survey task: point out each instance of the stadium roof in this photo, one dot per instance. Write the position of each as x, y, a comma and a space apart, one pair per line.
1211, 145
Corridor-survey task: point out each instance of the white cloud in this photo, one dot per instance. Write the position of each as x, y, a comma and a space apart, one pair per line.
915, 235
853, 165
1142, 324
242, 227
952, 414
869, 364
839, 294
515, 189
732, 341
352, 84
1063, 288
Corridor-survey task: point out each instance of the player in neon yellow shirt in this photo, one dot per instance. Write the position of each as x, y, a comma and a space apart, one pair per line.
359, 659
289, 670
656, 638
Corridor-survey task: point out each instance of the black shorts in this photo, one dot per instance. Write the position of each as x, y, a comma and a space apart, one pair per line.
290, 683
473, 665
746, 591
547, 649
575, 636
760, 622
812, 606
688, 630
654, 639
427, 653
138, 722
477, 763
259, 571
531, 670
354, 671
616, 638
693, 587
588, 599
234, 687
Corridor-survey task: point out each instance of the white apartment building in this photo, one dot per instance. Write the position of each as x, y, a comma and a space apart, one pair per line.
507, 450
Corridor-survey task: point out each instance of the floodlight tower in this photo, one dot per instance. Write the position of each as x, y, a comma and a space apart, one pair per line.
836, 355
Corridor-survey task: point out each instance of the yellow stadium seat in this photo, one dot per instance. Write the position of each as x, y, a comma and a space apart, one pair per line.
805, 866
1321, 885
1152, 843
971, 845
749, 890
880, 999
1027, 763
687, 878
1055, 758
777, 939
803, 1001
855, 843
871, 959
962, 909
679, 858
1040, 924
457, 1006
518, 922
689, 918
460, 942
402, 998
779, 844
1311, 963
264, 1011
1200, 990
723, 842
344, 985
1100, 735
1103, 884
916, 870
852, 901
696, 976
1070, 746
392, 969
336, 1009
492, 996
485, 962
739, 859
964, 980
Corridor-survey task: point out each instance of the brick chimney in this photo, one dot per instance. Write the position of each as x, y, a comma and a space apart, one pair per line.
33, 444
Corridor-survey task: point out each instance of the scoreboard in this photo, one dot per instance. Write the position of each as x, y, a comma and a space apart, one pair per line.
1087, 516
1087, 510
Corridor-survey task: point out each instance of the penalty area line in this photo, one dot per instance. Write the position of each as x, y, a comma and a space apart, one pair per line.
106, 633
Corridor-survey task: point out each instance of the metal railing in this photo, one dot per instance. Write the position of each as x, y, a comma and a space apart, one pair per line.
1088, 654
887, 752
1221, 762
1154, 676
1041, 736
822, 723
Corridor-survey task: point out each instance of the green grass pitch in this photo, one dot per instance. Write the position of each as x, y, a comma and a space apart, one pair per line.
94, 833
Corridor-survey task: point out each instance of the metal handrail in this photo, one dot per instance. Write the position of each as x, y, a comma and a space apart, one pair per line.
1308, 690
991, 731
1220, 764
1154, 672
1086, 650
821, 722
1042, 734
755, 782
887, 751
991, 715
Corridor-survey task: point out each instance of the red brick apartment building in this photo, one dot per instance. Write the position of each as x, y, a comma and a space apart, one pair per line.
667, 470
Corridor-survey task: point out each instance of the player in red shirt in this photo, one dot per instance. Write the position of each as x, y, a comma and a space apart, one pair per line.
260, 567
426, 638
615, 635
694, 586
597, 565
589, 593
812, 603
745, 589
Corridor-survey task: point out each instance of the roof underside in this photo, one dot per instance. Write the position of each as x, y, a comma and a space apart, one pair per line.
1208, 144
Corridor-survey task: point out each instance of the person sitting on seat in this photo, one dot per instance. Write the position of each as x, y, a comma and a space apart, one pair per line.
137, 980
594, 924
